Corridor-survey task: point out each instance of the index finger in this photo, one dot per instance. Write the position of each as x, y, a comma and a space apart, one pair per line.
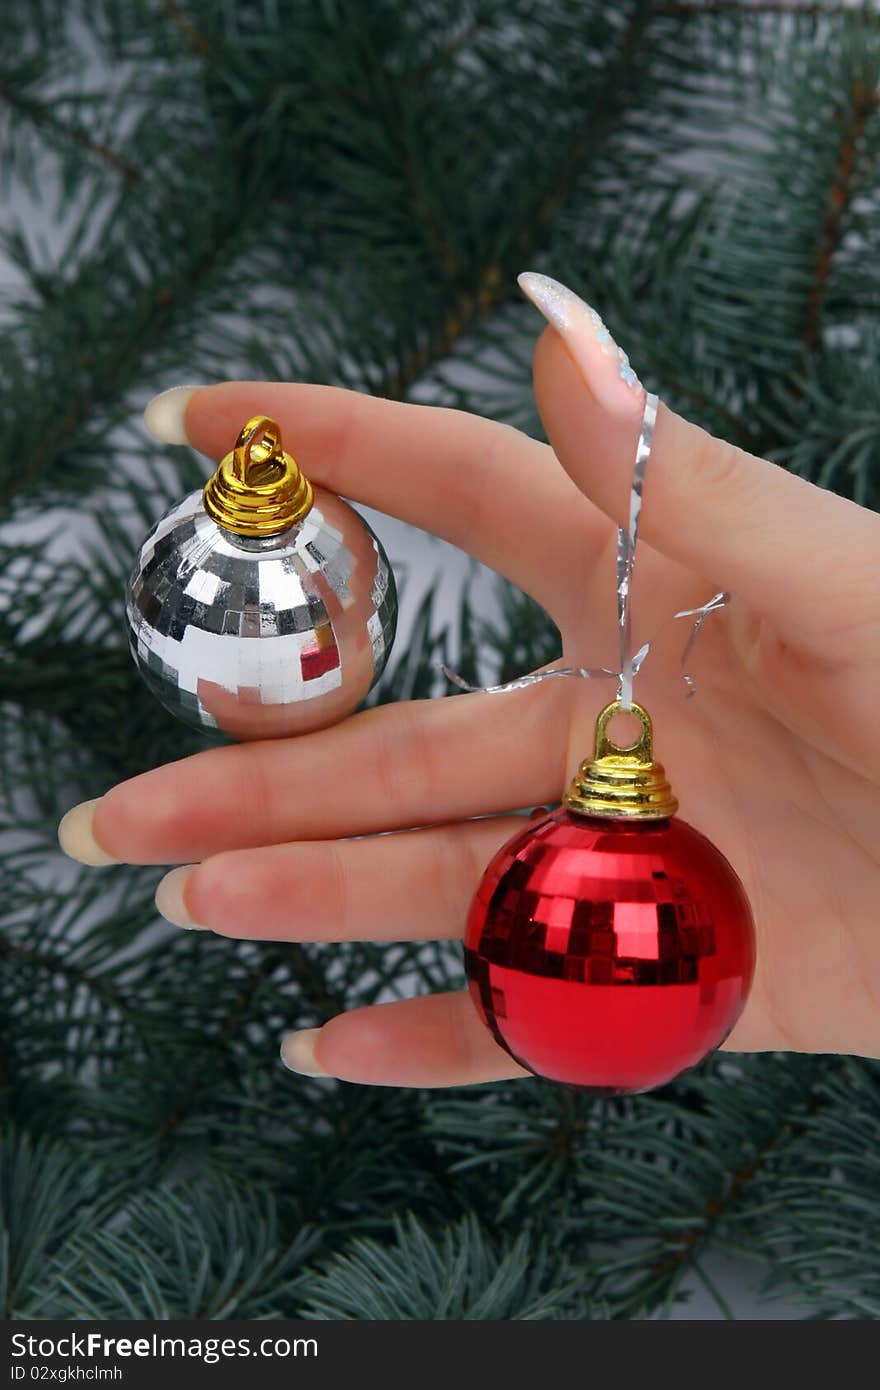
484, 486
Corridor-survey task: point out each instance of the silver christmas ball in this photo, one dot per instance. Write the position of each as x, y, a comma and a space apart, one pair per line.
262, 635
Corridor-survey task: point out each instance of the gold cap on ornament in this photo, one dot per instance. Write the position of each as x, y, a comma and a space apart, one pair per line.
625, 783
258, 489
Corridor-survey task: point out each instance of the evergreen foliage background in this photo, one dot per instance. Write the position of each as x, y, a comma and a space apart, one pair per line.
344, 192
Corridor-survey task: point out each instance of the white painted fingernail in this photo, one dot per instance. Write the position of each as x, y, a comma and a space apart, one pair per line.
164, 414
605, 367
298, 1052
171, 902
76, 836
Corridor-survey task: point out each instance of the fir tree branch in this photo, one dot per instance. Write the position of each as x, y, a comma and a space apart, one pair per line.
242, 1285
314, 983
696, 9
67, 970
422, 74
40, 115
313, 988
492, 284
863, 103
150, 322
191, 32
689, 1242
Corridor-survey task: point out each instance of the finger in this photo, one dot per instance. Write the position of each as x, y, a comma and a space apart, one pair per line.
415, 885
477, 483
438, 1040
798, 555
416, 763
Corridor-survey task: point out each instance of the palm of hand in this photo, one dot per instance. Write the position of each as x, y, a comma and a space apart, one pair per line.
791, 816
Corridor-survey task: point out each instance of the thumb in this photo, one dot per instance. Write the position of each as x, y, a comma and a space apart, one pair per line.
799, 556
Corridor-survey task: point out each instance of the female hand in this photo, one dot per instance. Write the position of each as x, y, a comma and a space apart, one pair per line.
777, 760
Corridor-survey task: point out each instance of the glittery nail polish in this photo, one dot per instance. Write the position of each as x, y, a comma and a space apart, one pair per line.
601, 361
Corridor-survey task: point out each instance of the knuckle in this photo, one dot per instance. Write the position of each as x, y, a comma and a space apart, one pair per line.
716, 463
342, 427
453, 876
335, 891
212, 888
261, 813
403, 760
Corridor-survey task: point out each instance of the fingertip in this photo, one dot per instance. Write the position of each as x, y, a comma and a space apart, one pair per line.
361, 1046
171, 899
165, 415
77, 837
603, 367
298, 1052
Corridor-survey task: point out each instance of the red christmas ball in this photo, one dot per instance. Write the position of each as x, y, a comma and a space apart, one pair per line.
610, 954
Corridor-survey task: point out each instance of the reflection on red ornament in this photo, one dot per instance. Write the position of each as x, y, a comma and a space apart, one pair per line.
608, 953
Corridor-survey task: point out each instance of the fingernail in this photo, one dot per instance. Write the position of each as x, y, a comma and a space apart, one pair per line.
77, 838
170, 899
604, 366
164, 414
298, 1052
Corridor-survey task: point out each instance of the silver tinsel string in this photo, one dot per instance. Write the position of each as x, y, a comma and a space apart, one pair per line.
630, 662
626, 557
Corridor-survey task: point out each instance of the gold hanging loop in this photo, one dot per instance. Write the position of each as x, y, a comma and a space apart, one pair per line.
258, 489
643, 748
622, 782
258, 444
